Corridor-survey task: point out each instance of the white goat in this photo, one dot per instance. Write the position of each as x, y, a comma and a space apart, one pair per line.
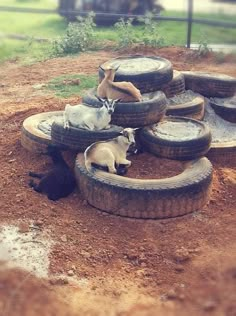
125, 91
110, 153
88, 117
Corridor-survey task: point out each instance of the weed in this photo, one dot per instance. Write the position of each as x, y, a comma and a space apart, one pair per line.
203, 48
68, 85
126, 32
79, 37
151, 36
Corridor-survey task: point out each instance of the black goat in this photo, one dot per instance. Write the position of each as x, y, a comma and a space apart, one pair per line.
58, 182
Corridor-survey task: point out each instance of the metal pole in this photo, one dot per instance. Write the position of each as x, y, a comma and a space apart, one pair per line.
190, 20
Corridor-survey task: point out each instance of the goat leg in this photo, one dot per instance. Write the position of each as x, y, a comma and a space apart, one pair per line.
125, 162
36, 175
35, 186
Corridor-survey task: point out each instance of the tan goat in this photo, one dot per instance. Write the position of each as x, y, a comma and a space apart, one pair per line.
110, 153
125, 91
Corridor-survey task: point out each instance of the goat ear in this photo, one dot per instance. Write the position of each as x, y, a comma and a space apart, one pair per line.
100, 99
136, 128
117, 100
117, 67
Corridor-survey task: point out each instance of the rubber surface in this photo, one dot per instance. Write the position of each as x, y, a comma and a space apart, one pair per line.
34, 139
175, 86
159, 73
177, 149
194, 109
134, 114
210, 84
226, 108
147, 199
79, 139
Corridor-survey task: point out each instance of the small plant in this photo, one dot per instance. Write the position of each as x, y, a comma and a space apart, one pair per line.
79, 37
126, 32
151, 36
203, 48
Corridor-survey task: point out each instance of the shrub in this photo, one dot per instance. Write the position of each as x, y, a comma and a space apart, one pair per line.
79, 37
151, 36
125, 30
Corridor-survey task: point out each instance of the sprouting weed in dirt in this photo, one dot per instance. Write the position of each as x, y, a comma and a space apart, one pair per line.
79, 37
203, 48
151, 35
126, 33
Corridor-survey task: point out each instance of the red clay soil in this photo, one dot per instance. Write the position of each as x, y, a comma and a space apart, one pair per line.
115, 266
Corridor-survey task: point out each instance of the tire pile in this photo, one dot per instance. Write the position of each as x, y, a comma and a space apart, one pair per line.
168, 129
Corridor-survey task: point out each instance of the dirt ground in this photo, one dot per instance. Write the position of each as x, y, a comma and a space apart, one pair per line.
100, 264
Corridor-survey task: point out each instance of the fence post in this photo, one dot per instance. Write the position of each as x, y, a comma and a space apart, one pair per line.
190, 20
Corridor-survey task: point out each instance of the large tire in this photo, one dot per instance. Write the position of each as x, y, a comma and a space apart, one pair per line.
193, 109
226, 108
185, 147
210, 84
223, 153
78, 139
175, 86
134, 114
147, 73
153, 199
36, 137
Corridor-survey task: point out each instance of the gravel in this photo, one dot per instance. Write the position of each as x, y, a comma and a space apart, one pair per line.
222, 131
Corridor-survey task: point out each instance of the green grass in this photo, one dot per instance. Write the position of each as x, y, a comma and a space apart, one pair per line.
52, 26
63, 90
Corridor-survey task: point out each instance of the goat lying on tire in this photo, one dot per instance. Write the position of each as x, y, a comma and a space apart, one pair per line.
125, 91
111, 153
90, 118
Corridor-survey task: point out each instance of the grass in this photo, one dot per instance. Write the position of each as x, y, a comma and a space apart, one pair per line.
63, 90
52, 26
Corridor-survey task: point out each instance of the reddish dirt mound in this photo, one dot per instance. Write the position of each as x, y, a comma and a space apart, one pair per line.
115, 266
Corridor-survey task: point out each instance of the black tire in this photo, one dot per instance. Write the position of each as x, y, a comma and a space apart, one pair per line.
179, 149
147, 199
223, 153
175, 86
36, 137
226, 108
150, 75
134, 114
210, 84
78, 139
193, 109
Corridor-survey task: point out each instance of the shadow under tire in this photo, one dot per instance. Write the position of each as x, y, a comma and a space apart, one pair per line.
33, 138
79, 139
147, 199
134, 114
177, 149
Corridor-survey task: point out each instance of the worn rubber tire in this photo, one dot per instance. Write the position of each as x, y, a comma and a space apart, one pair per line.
134, 114
194, 109
175, 86
224, 108
34, 139
147, 199
158, 71
210, 84
177, 149
223, 153
78, 139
